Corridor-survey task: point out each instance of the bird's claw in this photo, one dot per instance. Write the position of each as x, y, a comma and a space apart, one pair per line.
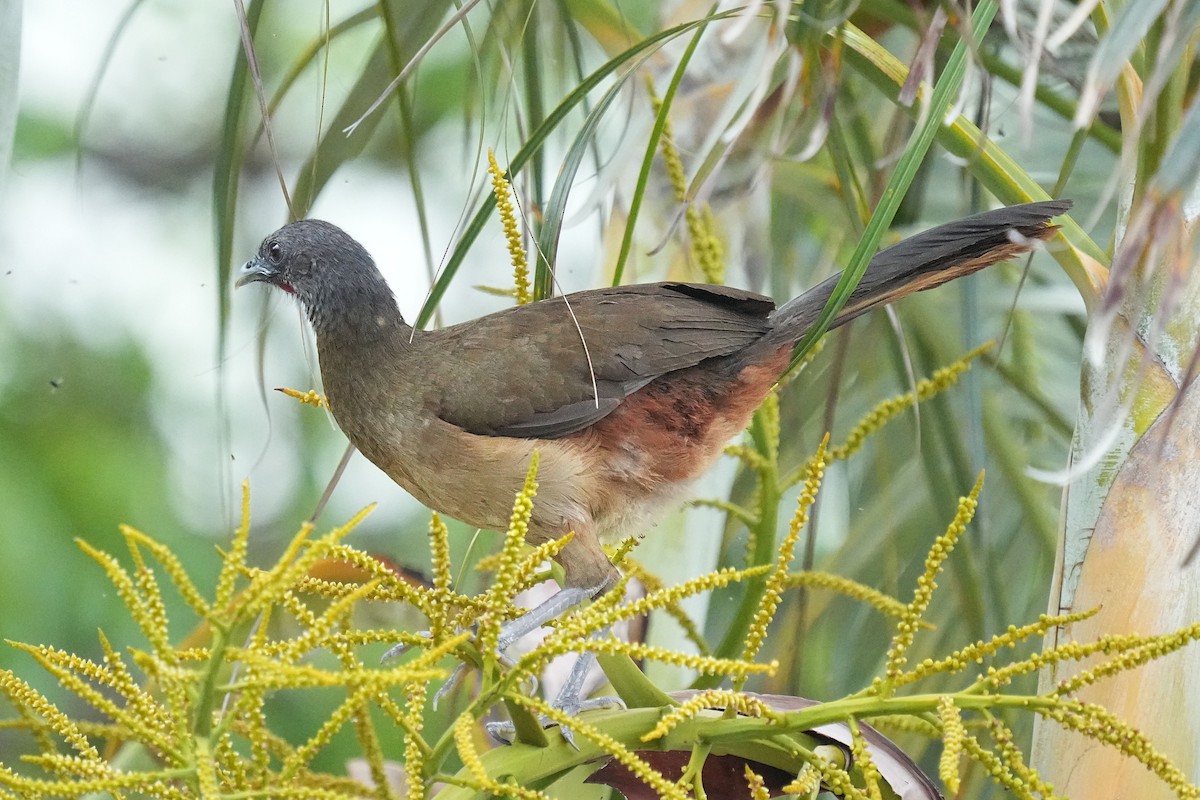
455, 676
401, 648
449, 685
506, 732
510, 632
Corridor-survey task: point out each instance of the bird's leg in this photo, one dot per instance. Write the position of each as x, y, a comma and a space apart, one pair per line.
568, 700
589, 573
569, 696
585, 563
552, 607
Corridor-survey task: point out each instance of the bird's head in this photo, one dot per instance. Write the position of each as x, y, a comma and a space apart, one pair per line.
329, 272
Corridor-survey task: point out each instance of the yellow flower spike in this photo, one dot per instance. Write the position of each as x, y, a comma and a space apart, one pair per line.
906, 724
953, 735
97, 772
235, 560
391, 586
558, 644
974, 653
835, 778
304, 617
806, 784
317, 629
673, 609
512, 232
464, 742
906, 628
33, 704
504, 587
229, 762
334, 722
706, 246
769, 602
310, 398
266, 674
749, 457
862, 759
249, 712
141, 717
1143, 650
758, 788
710, 252
263, 580
620, 554
296, 561
1008, 751
1102, 725
368, 740
415, 748
150, 624
529, 569
670, 155
141, 705
439, 547
155, 621
888, 410
768, 417
172, 566
666, 790
884, 604
997, 770
603, 614
710, 698
206, 769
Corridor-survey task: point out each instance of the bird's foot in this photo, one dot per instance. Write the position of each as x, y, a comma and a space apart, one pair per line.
569, 701
400, 649
505, 731
552, 607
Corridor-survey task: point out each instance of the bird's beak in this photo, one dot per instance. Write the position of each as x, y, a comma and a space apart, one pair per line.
256, 269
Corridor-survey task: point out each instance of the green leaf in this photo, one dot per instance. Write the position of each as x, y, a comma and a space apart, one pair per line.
1180, 170
226, 173
906, 169
536, 140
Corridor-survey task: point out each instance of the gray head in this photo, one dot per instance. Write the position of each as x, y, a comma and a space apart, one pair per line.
331, 274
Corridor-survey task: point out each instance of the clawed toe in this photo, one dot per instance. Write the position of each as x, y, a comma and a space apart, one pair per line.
401, 648
607, 701
505, 732
449, 685
568, 699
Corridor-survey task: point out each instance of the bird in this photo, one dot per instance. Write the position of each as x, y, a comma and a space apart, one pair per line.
627, 393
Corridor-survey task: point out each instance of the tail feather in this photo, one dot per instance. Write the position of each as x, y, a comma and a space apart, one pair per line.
924, 261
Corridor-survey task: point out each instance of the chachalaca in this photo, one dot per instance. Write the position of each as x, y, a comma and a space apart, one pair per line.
629, 393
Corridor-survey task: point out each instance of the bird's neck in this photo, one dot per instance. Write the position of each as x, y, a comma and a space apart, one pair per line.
363, 313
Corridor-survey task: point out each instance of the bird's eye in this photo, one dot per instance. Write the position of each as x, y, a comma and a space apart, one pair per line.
275, 252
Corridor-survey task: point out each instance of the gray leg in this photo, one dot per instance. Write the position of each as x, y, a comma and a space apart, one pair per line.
553, 606
567, 700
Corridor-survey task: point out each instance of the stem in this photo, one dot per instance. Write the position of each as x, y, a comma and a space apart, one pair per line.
769, 495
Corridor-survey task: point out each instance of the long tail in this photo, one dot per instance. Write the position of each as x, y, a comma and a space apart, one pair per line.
924, 261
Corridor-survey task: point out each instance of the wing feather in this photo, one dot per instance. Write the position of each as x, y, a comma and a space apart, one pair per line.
526, 373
